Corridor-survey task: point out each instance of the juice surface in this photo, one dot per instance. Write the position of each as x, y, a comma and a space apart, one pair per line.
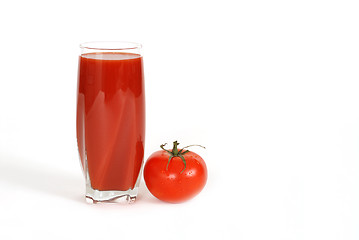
111, 118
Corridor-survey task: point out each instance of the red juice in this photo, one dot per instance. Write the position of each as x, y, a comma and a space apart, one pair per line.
111, 119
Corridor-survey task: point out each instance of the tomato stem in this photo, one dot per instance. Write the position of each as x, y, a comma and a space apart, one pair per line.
176, 153
174, 149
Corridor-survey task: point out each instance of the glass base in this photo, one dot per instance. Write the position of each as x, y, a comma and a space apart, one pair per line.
112, 196
95, 196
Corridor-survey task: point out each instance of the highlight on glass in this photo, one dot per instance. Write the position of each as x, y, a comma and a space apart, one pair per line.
111, 119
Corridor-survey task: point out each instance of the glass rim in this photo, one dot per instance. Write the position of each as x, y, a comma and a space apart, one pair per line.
110, 45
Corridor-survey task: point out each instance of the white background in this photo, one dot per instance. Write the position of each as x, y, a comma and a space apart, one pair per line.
269, 87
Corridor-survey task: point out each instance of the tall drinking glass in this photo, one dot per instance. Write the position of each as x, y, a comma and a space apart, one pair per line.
111, 119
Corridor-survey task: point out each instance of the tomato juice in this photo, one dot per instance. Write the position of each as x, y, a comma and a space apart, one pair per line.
111, 119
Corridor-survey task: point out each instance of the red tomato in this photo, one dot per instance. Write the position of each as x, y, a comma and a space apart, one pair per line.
175, 176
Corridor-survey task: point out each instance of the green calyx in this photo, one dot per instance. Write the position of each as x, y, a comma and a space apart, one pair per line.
177, 153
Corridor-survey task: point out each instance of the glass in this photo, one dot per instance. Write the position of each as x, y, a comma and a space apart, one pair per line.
111, 119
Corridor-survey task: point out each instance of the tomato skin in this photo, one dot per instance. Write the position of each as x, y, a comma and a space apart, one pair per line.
171, 185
